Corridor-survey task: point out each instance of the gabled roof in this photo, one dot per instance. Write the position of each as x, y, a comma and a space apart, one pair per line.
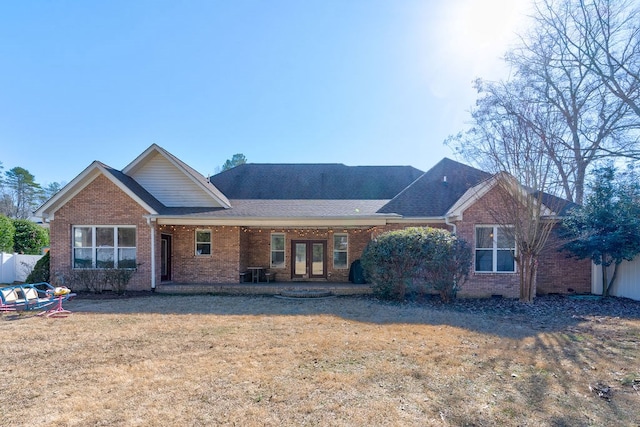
436, 190
560, 206
551, 206
95, 169
314, 181
134, 188
143, 170
170, 191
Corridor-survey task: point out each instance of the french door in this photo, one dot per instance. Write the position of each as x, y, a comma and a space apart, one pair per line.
309, 259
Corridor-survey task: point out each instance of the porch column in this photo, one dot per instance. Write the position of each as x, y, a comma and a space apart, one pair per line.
151, 224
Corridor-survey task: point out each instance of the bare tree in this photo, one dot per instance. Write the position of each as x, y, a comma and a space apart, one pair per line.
576, 114
552, 59
611, 49
509, 139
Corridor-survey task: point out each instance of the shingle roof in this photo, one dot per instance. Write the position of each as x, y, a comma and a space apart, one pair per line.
557, 204
436, 190
135, 188
314, 181
285, 209
324, 191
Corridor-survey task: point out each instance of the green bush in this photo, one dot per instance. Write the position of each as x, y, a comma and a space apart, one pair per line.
390, 262
7, 233
447, 264
29, 237
414, 261
40, 272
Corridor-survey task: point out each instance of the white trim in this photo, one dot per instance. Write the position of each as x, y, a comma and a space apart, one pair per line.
333, 252
151, 224
196, 241
284, 250
494, 249
470, 197
94, 247
475, 193
271, 222
418, 220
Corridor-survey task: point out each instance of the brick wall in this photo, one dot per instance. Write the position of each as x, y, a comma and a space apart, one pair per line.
236, 248
257, 245
557, 273
485, 284
221, 266
100, 203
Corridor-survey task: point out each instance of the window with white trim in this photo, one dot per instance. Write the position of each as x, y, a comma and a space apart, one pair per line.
104, 246
203, 242
277, 250
495, 249
340, 250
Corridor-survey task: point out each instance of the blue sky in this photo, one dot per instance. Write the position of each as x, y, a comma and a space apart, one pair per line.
359, 82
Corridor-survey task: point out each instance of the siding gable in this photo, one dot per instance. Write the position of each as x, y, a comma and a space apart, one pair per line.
171, 186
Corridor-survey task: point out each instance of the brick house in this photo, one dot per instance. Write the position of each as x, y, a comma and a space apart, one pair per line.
302, 222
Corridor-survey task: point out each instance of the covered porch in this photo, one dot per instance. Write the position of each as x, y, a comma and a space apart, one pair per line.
253, 259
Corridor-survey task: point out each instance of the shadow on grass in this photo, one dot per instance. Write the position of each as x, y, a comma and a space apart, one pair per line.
552, 375
500, 317
555, 343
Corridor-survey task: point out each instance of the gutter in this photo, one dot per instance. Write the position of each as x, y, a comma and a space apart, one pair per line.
275, 221
417, 219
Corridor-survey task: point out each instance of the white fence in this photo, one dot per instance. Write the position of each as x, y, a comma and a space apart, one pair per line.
16, 267
627, 283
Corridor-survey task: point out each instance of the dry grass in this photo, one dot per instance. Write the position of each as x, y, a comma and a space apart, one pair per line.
213, 360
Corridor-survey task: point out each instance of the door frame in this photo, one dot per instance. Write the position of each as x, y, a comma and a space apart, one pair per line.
309, 259
165, 256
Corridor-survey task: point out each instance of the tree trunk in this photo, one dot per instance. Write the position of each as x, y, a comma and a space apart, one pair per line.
605, 284
613, 279
528, 276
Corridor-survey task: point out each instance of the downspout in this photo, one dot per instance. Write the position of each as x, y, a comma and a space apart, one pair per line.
453, 231
153, 253
450, 224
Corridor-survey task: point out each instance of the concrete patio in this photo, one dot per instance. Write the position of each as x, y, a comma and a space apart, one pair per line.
263, 288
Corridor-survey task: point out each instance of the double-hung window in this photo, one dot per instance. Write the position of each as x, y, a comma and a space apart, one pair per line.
104, 247
277, 250
495, 249
203, 242
340, 250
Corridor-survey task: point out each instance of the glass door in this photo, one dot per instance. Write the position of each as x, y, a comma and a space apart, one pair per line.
165, 257
309, 259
